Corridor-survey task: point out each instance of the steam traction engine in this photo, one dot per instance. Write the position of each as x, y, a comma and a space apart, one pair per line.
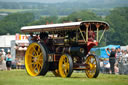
64, 47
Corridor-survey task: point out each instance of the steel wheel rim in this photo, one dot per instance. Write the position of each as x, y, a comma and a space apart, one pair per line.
64, 66
34, 59
91, 61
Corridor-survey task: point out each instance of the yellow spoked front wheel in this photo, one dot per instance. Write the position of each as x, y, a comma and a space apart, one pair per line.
35, 59
65, 66
93, 66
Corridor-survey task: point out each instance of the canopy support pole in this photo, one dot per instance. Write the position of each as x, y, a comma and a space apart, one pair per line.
97, 26
102, 35
82, 35
87, 26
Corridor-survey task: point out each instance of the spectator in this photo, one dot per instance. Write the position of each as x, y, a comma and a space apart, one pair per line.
8, 60
3, 53
127, 49
119, 55
101, 66
116, 68
106, 66
123, 64
122, 52
118, 60
18, 63
126, 58
2, 61
112, 58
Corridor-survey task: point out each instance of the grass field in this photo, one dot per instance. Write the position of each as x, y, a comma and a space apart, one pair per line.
15, 10
20, 77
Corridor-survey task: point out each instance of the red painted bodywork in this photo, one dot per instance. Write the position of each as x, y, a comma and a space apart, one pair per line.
91, 44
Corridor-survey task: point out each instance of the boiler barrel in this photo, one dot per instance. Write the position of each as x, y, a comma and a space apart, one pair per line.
75, 51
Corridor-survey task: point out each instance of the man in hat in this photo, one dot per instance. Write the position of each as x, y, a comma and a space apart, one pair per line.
3, 53
31, 38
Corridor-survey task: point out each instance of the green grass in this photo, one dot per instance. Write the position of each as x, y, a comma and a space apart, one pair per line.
15, 10
20, 77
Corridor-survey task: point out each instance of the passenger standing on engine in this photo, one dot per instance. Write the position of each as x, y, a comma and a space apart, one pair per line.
112, 59
31, 38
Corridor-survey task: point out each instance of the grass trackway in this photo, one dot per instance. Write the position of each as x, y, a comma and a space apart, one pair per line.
20, 77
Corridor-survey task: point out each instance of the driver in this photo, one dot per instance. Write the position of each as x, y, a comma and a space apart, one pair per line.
91, 35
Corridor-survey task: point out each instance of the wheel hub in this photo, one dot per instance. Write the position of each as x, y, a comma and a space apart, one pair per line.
91, 66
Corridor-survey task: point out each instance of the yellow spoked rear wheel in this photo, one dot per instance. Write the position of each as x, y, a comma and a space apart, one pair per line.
35, 59
65, 66
93, 66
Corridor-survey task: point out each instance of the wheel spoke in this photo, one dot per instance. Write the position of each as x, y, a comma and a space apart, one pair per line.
34, 67
94, 66
38, 50
31, 55
64, 59
40, 64
38, 68
66, 71
39, 60
32, 63
33, 59
88, 61
40, 56
67, 66
34, 50
93, 61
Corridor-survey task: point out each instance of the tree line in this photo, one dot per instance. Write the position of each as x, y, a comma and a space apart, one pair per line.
101, 7
118, 20
77, 4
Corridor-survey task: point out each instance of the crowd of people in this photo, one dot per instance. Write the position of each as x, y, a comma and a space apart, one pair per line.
116, 63
5, 60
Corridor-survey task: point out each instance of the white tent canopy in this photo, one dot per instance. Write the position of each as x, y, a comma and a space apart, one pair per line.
5, 40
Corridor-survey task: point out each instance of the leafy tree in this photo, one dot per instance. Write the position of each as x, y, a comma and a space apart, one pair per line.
83, 15
13, 22
45, 20
118, 21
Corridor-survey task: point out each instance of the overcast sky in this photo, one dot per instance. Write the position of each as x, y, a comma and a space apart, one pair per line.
54, 1
43, 1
